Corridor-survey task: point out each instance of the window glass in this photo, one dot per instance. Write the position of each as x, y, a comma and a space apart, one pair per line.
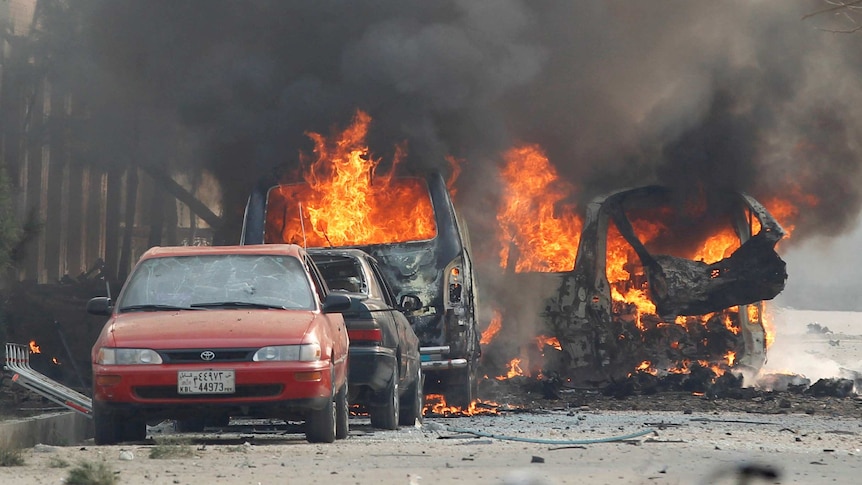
185, 281
342, 273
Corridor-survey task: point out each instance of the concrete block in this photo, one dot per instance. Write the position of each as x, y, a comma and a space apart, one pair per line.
62, 429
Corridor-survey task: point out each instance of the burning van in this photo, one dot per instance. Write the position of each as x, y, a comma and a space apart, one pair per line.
664, 283
410, 225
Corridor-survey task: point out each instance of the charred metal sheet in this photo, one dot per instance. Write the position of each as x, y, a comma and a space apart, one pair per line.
603, 340
679, 286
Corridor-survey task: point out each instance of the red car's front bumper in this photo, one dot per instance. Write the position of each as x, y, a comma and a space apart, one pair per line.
261, 388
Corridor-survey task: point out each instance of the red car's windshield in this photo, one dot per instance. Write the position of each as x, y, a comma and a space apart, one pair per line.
218, 281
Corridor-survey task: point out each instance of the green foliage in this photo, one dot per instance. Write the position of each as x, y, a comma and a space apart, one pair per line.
90, 473
11, 457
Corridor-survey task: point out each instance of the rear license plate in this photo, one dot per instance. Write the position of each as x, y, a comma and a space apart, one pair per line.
206, 382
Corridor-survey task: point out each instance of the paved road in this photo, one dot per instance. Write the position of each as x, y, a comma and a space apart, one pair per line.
560, 447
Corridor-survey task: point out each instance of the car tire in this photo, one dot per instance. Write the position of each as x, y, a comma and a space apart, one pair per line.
413, 402
133, 429
105, 425
386, 410
320, 425
342, 414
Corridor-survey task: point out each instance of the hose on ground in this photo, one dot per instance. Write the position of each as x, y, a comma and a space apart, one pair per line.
609, 439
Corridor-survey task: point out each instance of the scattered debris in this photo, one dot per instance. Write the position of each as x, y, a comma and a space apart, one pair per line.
831, 387
817, 328
783, 382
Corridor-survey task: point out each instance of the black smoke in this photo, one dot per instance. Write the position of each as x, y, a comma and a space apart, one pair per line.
730, 95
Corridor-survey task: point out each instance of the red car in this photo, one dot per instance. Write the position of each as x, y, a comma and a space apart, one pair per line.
201, 334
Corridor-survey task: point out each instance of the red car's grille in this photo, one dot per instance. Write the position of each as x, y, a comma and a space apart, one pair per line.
170, 392
180, 356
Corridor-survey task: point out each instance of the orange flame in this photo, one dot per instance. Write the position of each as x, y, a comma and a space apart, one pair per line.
645, 367
731, 357
455, 164
786, 210
768, 327
533, 219
344, 201
493, 328
514, 370
543, 340
436, 404
34, 349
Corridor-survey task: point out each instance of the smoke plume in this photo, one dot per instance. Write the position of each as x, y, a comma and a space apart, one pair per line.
735, 95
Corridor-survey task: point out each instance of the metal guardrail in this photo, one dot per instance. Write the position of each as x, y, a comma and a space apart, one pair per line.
18, 363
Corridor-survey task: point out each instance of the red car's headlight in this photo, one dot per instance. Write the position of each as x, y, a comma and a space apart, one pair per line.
304, 352
112, 356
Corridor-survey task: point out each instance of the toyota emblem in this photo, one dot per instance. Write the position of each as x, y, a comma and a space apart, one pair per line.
207, 355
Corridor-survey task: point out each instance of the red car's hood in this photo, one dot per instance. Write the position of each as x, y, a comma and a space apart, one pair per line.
209, 328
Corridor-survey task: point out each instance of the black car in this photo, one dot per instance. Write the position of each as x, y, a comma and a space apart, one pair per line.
385, 371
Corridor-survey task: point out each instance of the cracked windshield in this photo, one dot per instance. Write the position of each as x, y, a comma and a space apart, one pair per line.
218, 282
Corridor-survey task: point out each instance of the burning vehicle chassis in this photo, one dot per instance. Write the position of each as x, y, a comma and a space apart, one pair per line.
704, 316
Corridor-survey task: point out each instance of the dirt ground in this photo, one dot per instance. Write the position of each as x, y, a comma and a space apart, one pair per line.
539, 447
531, 433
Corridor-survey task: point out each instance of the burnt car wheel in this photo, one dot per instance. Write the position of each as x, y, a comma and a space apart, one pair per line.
106, 425
413, 403
342, 414
385, 412
462, 387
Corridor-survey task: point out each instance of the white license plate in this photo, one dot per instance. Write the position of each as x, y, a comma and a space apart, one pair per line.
206, 382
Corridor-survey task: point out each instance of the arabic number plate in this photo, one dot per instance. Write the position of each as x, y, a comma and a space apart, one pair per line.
206, 382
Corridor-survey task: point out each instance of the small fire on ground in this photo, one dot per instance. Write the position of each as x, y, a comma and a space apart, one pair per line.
435, 405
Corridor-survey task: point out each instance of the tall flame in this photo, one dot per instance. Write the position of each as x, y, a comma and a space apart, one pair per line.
493, 328
534, 219
345, 201
786, 209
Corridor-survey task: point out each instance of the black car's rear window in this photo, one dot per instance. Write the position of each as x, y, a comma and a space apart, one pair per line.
189, 281
342, 273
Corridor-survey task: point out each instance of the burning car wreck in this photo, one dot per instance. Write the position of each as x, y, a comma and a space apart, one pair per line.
427, 256
662, 286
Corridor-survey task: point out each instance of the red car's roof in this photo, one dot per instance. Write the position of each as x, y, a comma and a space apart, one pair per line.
167, 251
